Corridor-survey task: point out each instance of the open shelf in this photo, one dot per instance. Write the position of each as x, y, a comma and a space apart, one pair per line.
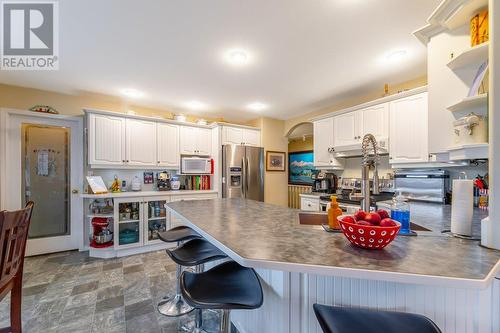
464, 13
473, 56
469, 152
101, 215
478, 104
129, 221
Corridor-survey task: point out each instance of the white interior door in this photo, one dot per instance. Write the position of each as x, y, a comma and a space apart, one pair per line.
45, 165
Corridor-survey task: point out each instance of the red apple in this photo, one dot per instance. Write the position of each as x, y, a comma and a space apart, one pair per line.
360, 215
373, 218
383, 213
349, 219
364, 223
387, 222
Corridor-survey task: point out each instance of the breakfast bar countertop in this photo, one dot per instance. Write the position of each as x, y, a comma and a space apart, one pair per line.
261, 235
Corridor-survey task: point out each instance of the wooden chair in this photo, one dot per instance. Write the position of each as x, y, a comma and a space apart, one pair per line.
14, 232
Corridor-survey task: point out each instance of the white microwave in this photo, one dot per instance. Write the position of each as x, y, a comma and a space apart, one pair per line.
195, 165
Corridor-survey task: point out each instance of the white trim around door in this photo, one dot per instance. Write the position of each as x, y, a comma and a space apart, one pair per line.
11, 173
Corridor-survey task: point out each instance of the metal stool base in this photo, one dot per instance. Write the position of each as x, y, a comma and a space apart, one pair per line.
174, 307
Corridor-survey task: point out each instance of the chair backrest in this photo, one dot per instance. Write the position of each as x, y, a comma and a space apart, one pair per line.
14, 233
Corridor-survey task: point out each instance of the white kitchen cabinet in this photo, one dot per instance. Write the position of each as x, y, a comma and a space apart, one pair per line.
168, 145
128, 223
204, 141
251, 137
323, 145
232, 135
375, 120
309, 204
195, 140
240, 136
346, 129
140, 142
323, 141
408, 130
351, 127
106, 140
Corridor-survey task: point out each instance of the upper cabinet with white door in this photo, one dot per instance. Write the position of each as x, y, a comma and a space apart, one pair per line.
240, 136
141, 142
106, 140
323, 144
167, 145
350, 127
408, 130
346, 129
195, 140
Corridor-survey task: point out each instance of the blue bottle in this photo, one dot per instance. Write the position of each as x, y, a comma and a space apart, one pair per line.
400, 211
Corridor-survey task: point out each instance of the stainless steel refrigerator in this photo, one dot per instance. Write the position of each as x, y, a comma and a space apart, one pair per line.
243, 172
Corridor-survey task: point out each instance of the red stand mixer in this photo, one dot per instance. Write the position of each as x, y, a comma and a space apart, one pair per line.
101, 235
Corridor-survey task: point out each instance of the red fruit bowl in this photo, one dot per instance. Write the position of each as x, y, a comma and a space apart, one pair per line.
368, 236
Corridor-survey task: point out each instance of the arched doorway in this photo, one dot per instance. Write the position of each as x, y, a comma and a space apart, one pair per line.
300, 147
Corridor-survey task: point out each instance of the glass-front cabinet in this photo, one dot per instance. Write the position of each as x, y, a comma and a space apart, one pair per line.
128, 222
155, 218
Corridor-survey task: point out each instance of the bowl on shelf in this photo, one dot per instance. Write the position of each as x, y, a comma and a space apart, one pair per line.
368, 236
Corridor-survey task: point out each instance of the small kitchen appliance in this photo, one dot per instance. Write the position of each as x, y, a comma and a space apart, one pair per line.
163, 181
101, 235
422, 185
325, 182
196, 165
470, 129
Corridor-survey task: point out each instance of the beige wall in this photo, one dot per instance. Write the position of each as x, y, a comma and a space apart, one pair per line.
275, 183
300, 145
290, 123
24, 98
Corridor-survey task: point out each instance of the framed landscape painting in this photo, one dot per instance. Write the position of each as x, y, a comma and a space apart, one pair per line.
300, 167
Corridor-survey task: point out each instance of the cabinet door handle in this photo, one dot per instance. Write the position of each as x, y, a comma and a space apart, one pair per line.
123, 161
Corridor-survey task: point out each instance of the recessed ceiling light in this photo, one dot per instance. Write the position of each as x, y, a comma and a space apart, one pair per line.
257, 106
237, 57
396, 56
132, 93
195, 105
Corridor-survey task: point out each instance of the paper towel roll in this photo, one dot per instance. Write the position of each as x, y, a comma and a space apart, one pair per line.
462, 207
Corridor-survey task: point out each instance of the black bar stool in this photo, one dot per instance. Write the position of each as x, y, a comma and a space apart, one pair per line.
176, 306
196, 252
334, 319
228, 286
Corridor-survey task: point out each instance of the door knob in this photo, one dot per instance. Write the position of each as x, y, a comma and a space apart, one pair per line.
74, 191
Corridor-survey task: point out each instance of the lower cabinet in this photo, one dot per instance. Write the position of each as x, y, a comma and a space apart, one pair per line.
139, 220
128, 223
309, 204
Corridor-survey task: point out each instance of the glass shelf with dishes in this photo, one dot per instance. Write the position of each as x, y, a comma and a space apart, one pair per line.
129, 224
156, 220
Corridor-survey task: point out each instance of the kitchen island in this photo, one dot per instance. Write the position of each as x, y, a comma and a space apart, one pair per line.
450, 280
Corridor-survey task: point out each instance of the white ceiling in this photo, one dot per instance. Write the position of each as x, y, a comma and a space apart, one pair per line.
305, 54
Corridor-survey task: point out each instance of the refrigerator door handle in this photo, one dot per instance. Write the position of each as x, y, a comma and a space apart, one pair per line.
243, 177
247, 172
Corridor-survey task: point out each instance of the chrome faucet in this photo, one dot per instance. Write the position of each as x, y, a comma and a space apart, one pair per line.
370, 159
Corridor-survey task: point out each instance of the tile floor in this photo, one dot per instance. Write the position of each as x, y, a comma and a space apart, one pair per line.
71, 292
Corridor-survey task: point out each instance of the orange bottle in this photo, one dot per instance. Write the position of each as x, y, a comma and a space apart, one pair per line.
333, 213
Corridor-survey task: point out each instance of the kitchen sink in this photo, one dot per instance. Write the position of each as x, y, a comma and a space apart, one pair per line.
313, 218
418, 227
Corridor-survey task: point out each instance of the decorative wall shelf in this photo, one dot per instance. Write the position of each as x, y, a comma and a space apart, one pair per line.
469, 152
474, 56
464, 13
449, 15
477, 104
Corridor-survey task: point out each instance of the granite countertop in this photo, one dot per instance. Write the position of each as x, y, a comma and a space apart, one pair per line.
437, 217
262, 235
